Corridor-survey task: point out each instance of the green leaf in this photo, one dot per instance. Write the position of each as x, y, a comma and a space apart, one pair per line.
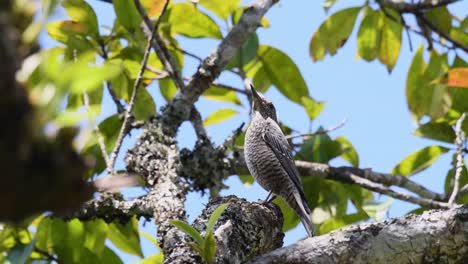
282, 72
419, 160
215, 215
415, 95
188, 229
126, 237
390, 43
320, 148
110, 128
448, 186
70, 33
95, 77
43, 234
82, 12
341, 221
150, 238
167, 88
349, 152
290, 218
144, 105
96, 235
154, 259
369, 34
333, 33
437, 130
196, 247
108, 256
219, 116
187, 20
67, 239
312, 107
245, 54
247, 180
127, 14
377, 210
221, 8
440, 17
209, 247
20, 253
219, 93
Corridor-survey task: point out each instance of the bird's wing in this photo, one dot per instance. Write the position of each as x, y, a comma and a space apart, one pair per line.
275, 139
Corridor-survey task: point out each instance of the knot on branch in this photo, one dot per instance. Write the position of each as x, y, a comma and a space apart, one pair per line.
155, 153
205, 166
244, 230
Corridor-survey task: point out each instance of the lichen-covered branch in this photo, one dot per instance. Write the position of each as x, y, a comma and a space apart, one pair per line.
244, 230
110, 207
437, 236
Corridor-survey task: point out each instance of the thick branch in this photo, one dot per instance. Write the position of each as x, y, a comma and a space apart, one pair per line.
436, 236
113, 207
179, 109
244, 230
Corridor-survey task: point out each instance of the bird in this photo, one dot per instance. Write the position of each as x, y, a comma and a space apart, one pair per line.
269, 159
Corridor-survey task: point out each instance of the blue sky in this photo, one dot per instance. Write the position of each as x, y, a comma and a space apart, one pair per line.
373, 101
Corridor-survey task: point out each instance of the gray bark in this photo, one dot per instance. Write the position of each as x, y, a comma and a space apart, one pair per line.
437, 236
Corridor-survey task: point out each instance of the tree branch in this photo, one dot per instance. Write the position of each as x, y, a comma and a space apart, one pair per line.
412, 7
179, 109
437, 236
459, 141
131, 104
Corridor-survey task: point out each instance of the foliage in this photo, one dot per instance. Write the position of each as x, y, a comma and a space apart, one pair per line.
205, 246
91, 59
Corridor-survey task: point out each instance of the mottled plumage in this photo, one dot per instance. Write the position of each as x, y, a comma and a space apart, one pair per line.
269, 159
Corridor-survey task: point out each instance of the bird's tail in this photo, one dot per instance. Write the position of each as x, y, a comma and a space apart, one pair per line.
303, 211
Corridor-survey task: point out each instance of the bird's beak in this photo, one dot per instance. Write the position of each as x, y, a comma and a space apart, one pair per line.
255, 95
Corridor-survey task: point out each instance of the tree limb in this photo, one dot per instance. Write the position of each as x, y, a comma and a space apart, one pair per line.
437, 236
405, 7
179, 109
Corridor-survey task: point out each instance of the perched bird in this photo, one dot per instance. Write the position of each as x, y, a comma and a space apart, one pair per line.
269, 159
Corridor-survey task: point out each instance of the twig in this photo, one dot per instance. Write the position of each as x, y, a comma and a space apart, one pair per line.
439, 31
197, 123
404, 7
342, 123
396, 194
160, 48
46, 254
131, 104
231, 139
459, 141
100, 137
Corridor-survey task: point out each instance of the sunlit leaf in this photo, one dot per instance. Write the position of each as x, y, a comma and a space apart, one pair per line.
220, 116
333, 33
377, 210
419, 160
153, 259
312, 107
125, 237
349, 152
96, 235
219, 93
95, 77
108, 256
167, 88
440, 17
188, 229
369, 34
82, 12
341, 221
415, 95
222, 8
187, 20
127, 14
282, 72
289, 217
247, 180
390, 43
153, 7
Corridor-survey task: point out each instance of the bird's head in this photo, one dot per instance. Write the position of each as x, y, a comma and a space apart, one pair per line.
262, 105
